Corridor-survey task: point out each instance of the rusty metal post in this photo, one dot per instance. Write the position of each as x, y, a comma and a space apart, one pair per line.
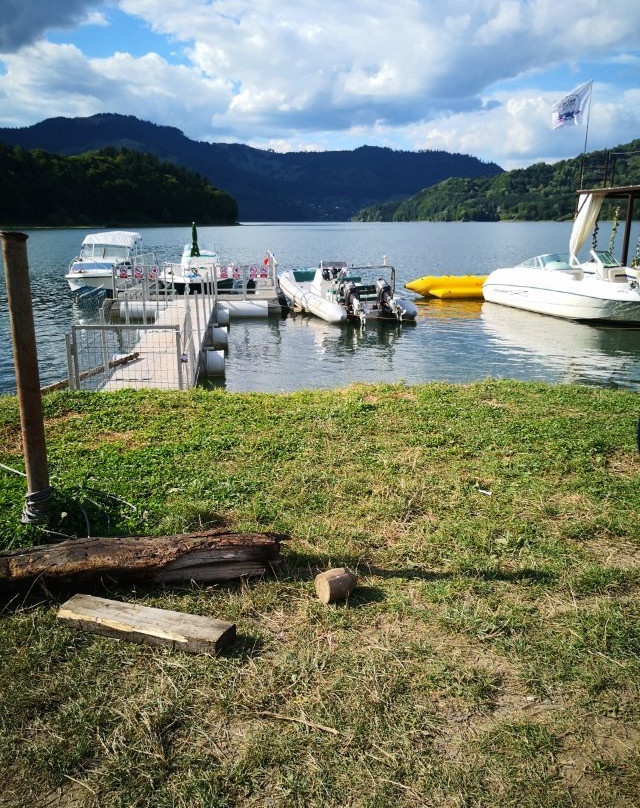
16, 269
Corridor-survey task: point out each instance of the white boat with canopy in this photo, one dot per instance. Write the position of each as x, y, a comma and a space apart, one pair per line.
337, 292
104, 257
560, 285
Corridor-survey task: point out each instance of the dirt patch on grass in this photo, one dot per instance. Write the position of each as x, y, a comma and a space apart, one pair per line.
131, 439
10, 439
624, 465
616, 555
597, 749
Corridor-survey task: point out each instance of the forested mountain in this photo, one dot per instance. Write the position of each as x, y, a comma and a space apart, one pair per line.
108, 187
268, 186
541, 191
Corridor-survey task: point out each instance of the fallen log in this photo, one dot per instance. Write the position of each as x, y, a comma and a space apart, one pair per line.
207, 556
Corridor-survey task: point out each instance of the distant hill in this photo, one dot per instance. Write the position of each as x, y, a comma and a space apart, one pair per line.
268, 186
109, 187
539, 192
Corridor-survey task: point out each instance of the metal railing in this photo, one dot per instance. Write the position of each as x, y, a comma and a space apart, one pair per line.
597, 171
146, 343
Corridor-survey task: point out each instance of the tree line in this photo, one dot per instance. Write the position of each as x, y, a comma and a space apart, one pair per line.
539, 192
108, 187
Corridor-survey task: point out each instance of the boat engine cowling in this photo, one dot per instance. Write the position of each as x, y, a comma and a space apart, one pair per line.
385, 293
351, 295
385, 297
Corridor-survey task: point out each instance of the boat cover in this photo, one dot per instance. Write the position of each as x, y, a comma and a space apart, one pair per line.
588, 209
117, 238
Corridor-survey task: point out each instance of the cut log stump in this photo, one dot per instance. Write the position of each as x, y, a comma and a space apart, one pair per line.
335, 584
209, 556
145, 624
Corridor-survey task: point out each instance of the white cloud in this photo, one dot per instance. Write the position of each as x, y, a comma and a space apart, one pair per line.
517, 131
412, 74
48, 80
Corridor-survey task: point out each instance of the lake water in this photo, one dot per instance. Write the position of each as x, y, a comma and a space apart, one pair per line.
457, 341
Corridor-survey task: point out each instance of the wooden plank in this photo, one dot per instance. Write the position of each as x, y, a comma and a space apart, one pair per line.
145, 624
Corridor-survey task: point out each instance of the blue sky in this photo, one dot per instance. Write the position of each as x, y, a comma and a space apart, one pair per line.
471, 76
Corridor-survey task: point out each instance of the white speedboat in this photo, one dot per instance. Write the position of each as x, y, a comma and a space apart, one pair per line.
102, 257
337, 292
556, 284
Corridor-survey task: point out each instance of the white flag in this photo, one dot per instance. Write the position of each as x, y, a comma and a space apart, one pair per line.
569, 110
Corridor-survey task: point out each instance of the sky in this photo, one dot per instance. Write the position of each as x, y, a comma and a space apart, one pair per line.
477, 77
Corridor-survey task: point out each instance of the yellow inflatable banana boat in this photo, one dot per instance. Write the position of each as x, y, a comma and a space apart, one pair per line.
448, 286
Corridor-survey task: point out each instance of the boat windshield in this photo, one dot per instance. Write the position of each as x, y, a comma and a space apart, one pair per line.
549, 261
104, 251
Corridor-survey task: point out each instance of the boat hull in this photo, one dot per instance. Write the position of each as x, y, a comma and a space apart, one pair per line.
304, 297
567, 295
80, 282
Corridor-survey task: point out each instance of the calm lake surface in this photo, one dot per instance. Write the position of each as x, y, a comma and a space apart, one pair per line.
458, 341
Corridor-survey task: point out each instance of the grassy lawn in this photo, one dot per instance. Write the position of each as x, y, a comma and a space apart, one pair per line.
490, 655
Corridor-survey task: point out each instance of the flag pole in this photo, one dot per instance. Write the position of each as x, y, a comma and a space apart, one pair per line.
586, 135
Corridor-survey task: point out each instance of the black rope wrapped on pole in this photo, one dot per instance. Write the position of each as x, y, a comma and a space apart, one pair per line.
16, 268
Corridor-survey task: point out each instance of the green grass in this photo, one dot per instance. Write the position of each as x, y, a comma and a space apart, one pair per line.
489, 656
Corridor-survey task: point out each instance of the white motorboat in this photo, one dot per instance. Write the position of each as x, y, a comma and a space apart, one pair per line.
103, 257
195, 265
337, 292
596, 290
559, 285
189, 273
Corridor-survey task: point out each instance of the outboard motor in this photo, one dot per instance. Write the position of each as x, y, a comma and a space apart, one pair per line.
385, 295
350, 291
386, 300
352, 300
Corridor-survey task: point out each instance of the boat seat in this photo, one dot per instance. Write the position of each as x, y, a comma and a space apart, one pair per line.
367, 292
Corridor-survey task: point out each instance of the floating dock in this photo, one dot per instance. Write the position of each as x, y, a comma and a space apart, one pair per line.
150, 337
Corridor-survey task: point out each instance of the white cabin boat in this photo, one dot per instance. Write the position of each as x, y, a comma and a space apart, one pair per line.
104, 257
558, 285
337, 292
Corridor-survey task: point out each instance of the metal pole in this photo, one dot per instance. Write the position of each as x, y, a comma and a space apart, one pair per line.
627, 231
16, 268
105, 347
70, 374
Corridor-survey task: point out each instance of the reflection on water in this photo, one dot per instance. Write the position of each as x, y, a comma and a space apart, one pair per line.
450, 340
450, 309
303, 351
599, 355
